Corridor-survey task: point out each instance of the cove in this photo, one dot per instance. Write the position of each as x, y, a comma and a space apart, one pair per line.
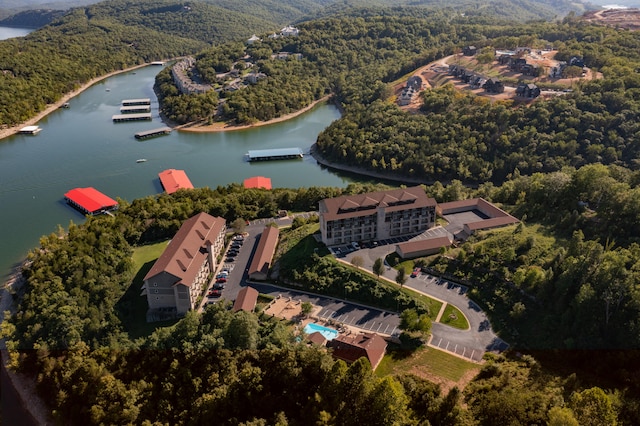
81, 146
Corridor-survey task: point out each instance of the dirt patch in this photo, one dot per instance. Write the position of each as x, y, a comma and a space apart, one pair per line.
618, 18
445, 384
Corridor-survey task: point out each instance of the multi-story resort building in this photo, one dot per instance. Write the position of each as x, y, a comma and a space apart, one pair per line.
376, 215
181, 273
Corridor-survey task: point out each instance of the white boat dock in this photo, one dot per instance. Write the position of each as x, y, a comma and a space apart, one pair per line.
30, 130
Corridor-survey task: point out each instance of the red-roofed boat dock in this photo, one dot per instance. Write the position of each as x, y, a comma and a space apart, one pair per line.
90, 201
173, 180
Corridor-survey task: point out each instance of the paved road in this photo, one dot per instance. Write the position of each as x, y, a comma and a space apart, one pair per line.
472, 343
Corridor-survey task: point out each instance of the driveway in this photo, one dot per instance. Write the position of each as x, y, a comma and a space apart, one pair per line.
470, 344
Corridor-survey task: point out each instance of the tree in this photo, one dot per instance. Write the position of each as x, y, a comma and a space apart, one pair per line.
401, 277
306, 308
592, 407
357, 261
378, 267
410, 321
239, 225
561, 416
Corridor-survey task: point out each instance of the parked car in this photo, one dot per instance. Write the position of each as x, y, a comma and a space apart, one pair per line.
355, 245
218, 286
214, 293
230, 259
415, 272
232, 253
221, 280
221, 275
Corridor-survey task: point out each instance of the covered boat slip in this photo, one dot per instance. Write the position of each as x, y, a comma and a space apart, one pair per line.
132, 102
131, 117
153, 133
135, 109
274, 154
90, 201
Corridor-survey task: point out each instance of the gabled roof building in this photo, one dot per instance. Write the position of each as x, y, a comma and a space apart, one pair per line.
181, 273
376, 215
259, 268
352, 347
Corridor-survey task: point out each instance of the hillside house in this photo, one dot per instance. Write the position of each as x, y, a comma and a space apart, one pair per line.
289, 31
493, 85
527, 90
469, 50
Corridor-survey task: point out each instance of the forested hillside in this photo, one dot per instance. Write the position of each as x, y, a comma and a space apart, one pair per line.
91, 41
250, 369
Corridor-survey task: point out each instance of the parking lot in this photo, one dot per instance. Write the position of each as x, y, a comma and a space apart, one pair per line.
344, 249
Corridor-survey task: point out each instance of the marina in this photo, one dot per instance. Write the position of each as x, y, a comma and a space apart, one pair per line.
118, 118
274, 154
36, 171
153, 133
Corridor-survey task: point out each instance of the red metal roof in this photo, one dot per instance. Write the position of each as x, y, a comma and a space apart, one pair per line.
173, 179
90, 199
257, 182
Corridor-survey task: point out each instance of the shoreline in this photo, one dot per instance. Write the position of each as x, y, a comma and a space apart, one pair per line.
226, 127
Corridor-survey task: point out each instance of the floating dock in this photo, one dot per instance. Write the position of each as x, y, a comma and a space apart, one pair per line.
173, 179
131, 117
153, 133
130, 102
30, 130
274, 154
90, 201
135, 109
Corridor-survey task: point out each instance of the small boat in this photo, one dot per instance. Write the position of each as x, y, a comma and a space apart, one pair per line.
141, 160
107, 90
65, 105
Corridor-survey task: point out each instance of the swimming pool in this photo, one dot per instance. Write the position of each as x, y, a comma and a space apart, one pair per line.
328, 333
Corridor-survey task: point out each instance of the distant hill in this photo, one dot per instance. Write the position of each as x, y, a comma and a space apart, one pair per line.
34, 18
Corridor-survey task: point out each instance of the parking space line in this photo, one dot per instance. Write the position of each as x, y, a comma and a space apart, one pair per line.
447, 348
386, 328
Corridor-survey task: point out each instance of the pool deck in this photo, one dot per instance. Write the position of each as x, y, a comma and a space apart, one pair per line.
290, 309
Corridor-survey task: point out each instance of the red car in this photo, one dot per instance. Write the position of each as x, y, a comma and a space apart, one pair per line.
221, 280
215, 293
415, 273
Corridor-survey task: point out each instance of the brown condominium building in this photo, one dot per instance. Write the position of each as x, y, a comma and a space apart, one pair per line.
180, 274
376, 215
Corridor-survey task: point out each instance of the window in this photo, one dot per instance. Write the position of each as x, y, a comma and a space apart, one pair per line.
155, 291
155, 284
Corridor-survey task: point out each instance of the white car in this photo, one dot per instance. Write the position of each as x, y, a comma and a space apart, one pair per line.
355, 245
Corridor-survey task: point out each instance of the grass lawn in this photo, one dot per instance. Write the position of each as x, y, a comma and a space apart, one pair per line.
453, 317
428, 363
132, 308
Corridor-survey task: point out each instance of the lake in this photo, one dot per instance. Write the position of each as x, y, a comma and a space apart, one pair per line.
10, 32
81, 146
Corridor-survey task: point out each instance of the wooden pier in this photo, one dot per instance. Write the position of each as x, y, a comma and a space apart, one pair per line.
130, 102
153, 133
131, 117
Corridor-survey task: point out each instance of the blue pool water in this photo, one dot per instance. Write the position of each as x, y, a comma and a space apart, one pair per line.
328, 333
